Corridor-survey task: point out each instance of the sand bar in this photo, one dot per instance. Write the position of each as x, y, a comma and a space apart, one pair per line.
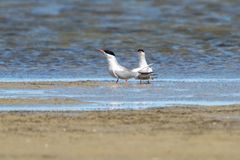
49, 84
167, 133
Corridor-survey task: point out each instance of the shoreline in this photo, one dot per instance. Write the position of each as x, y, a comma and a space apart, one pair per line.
111, 95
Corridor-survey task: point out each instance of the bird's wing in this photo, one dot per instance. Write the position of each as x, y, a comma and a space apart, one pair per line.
114, 73
125, 74
146, 75
141, 69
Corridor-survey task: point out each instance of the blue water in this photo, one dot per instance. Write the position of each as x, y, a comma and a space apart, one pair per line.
58, 39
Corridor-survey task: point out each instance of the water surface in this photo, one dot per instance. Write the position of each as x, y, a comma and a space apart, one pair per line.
107, 95
58, 39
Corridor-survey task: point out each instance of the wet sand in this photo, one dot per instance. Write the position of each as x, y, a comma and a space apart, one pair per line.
44, 85
182, 133
49, 84
37, 101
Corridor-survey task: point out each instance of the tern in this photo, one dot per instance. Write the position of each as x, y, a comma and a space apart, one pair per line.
118, 71
147, 72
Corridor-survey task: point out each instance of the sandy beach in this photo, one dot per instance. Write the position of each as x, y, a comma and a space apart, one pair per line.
182, 133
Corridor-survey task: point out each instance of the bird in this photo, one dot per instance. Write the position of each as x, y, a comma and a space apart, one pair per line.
118, 71
147, 72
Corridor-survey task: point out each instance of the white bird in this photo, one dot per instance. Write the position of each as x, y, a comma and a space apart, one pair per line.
118, 71
147, 72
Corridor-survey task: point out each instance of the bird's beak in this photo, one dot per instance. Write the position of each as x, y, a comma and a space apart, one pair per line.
100, 50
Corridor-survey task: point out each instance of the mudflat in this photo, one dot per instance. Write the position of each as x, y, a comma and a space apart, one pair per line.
182, 133
49, 84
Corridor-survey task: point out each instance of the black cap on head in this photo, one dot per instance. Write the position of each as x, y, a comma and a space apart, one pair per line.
140, 50
109, 52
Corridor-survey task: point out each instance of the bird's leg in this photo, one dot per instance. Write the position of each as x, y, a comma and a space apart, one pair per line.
126, 82
140, 81
117, 80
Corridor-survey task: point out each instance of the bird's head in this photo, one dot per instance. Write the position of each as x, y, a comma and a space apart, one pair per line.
109, 54
141, 52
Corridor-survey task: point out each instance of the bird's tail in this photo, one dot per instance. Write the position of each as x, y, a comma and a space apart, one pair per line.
138, 71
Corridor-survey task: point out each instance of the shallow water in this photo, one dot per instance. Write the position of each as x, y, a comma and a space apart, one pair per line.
108, 96
193, 44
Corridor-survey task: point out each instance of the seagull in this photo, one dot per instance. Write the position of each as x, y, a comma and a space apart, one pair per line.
147, 72
118, 71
